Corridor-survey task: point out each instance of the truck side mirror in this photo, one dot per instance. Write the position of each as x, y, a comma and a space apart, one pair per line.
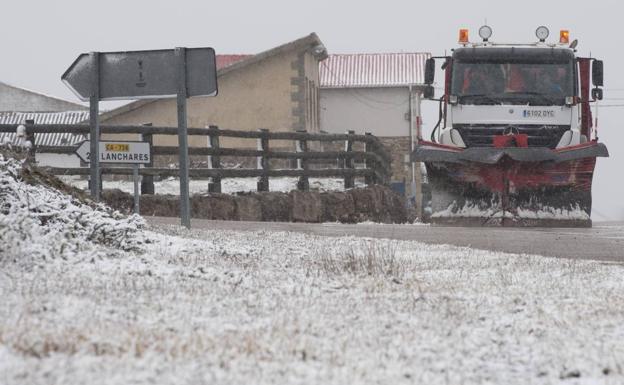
596, 94
597, 73
428, 92
429, 71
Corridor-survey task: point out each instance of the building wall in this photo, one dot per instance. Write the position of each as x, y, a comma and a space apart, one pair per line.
380, 111
306, 93
260, 95
384, 112
14, 99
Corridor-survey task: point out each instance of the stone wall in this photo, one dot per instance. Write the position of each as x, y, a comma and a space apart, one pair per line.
376, 203
398, 147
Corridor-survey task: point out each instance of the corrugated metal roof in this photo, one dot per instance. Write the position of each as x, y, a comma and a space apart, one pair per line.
373, 70
43, 118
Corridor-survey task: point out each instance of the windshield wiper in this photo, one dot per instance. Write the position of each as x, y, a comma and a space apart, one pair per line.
547, 98
481, 98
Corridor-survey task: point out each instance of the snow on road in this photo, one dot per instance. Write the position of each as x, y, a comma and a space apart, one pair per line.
228, 185
226, 307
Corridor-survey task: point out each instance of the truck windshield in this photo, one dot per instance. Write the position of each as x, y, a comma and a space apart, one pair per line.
540, 84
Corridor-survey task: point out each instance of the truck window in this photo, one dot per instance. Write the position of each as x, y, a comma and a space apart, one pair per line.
512, 83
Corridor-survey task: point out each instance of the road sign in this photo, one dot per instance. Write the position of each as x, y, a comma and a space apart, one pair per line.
180, 72
117, 152
143, 74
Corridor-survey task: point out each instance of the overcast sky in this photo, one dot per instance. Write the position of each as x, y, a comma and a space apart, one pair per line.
40, 39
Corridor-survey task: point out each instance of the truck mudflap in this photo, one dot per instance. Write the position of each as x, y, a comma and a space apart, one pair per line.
510, 186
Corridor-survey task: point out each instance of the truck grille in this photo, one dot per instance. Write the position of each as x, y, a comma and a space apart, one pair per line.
482, 135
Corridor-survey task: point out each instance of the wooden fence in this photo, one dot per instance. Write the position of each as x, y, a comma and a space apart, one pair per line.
377, 161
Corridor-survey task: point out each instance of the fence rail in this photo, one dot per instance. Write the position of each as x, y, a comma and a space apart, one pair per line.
212, 130
358, 156
223, 173
376, 159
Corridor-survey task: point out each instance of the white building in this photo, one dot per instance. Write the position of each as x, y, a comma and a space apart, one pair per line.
372, 92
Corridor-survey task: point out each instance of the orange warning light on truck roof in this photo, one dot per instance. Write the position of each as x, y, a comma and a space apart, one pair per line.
564, 36
463, 35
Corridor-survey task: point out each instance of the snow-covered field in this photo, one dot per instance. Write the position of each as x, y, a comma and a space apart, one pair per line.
168, 305
228, 185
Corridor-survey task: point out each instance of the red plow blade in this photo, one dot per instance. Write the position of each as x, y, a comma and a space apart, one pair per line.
507, 188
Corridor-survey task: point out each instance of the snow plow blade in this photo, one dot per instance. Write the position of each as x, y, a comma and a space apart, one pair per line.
532, 187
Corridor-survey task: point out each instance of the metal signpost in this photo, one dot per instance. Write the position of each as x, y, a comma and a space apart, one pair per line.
181, 73
185, 204
94, 121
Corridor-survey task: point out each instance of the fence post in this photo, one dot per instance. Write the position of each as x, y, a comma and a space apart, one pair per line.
147, 182
370, 164
302, 163
263, 161
214, 161
30, 136
348, 162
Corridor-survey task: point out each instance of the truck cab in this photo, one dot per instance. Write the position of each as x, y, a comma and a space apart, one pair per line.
529, 90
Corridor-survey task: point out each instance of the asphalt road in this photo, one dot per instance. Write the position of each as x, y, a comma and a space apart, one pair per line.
604, 241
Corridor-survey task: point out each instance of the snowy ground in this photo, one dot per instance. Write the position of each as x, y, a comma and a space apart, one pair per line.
197, 307
228, 185
238, 308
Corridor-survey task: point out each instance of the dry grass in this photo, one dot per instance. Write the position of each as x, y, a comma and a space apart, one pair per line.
366, 258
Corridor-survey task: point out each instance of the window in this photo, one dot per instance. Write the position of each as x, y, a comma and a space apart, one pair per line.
513, 83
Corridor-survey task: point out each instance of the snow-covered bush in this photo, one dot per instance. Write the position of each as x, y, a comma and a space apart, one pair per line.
38, 221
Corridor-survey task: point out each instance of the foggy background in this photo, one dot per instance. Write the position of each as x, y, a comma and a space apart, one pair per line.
40, 39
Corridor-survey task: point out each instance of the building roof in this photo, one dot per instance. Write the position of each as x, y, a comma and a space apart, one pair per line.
373, 70
55, 139
230, 63
227, 60
13, 98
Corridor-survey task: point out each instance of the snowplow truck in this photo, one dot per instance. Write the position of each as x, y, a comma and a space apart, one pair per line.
514, 144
